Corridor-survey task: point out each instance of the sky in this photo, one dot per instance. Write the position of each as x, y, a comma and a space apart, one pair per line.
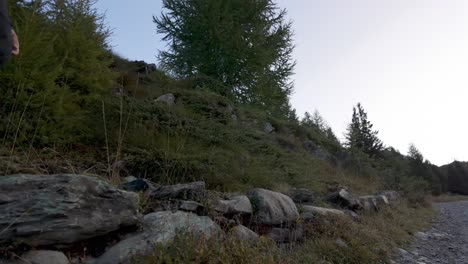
406, 61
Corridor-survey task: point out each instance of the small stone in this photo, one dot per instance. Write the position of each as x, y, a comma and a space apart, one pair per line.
169, 99
191, 206
244, 234
340, 243
45, 257
269, 128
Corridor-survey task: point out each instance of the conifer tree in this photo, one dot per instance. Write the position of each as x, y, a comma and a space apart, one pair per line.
360, 134
415, 154
245, 45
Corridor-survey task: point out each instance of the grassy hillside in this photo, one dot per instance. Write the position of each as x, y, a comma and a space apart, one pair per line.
76, 108
205, 136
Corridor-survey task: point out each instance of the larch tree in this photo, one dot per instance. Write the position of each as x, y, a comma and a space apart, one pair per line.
244, 45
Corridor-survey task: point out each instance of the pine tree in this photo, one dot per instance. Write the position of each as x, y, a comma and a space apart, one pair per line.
360, 134
415, 154
316, 121
246, 45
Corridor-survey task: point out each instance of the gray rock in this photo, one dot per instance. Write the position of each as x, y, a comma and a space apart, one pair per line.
239, 205
269, 128
369, 203
317, 151
158, 228
352, 214
382, 200
373, 203
392, 196
235, 119
187, 191
345, 199
340, 243
169, 99
302, 195
287, 235
422, 235
191, 206
44, 257
129, 179
138, 185
311, 213
62, 209
244, 234
272, 208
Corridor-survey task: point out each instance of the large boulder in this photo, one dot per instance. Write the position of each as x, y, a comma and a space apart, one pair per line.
272, 208
345, 199
187, 191
61, 209
158, 229
302, 195
238, 205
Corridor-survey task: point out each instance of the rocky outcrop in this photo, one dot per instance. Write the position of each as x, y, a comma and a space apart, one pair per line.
158, 228
342, 197
168, 99
55, 210
61, 209
272, 208
187, 191
238, 205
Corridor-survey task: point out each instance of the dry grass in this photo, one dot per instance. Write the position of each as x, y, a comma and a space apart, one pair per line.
371, 240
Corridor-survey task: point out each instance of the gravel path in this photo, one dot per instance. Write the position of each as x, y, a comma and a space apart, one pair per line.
445, 242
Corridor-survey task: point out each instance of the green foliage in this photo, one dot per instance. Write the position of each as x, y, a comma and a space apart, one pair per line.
63, 64
245, 45
360, 134
317, 122
415, 154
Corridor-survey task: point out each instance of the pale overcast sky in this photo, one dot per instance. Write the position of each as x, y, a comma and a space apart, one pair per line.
406, 61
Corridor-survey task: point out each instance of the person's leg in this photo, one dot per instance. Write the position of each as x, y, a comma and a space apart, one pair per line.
5, 34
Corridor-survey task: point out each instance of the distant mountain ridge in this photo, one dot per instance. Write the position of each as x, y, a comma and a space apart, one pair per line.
456, 174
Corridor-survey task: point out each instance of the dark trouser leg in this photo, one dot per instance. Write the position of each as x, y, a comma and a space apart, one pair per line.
5, 39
